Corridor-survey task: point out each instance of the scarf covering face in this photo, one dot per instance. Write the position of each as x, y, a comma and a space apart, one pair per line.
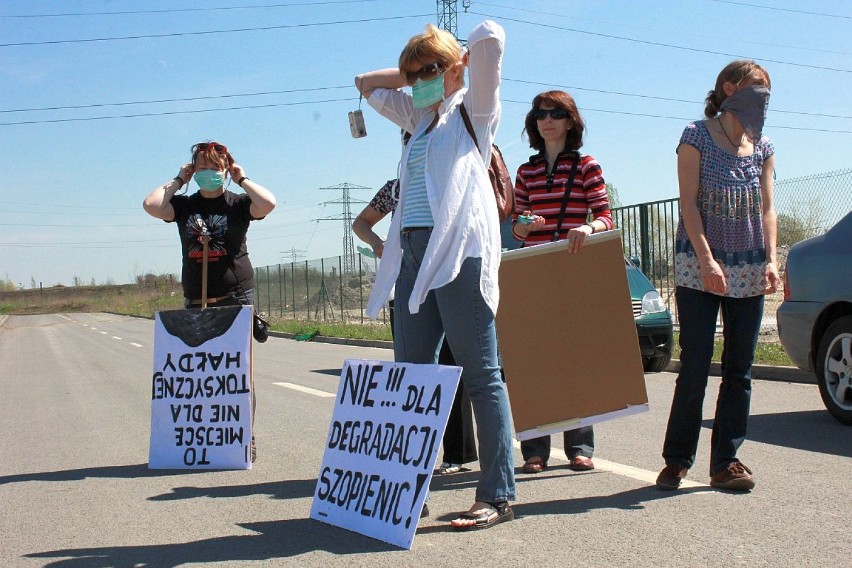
749, 105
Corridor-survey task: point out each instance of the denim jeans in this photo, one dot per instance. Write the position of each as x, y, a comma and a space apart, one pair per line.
459, 439
697, 311
578, 442
459, 311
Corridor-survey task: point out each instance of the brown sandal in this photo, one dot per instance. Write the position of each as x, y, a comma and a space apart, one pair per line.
581, 463
534, 465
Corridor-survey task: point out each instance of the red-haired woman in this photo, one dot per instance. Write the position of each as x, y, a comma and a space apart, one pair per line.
224, 216
558, 188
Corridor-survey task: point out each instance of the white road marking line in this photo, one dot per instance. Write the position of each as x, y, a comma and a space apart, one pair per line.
644, 475
116, 337
104, 333
649, 477
136, 345
306, 390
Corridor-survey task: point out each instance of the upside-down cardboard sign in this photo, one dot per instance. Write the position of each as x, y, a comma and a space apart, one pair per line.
567, 336
201, 389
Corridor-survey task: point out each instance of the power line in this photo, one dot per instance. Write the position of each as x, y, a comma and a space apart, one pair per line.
660, 44
305, 90
692, 32
648, 115
186, 99
210, 32
169, 113
137, 244
172, 10
610, 111
659, 98
783, 9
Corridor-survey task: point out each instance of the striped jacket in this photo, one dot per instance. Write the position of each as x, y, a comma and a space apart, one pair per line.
541, 192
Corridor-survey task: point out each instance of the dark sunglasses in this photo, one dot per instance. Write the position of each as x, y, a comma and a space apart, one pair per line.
221, 148
555, 113
425, 73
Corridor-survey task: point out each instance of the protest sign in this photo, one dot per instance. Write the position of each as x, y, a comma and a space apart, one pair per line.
201, 389
567, 336
382, 444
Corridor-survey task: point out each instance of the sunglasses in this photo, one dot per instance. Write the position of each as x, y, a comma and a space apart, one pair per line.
555, 113
425, 73
221, 148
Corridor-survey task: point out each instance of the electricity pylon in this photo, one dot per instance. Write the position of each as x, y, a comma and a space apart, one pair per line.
447, 20
293, 253
346, 200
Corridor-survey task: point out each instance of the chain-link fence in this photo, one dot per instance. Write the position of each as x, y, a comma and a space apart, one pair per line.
321, 290
805, 207
809, 206
318, 290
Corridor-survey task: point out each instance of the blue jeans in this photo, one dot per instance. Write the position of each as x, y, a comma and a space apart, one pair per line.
459, 311
741, 317
578, 442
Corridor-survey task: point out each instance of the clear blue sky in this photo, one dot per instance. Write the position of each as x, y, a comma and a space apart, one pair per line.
73, 183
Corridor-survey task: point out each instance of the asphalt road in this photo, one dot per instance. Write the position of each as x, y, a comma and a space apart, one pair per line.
75, 490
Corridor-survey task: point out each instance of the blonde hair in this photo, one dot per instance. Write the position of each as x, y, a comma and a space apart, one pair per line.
435, 44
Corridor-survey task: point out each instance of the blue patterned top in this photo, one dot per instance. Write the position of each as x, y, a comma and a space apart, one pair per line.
729, 201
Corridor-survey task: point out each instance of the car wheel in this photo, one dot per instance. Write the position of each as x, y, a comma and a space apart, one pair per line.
834, 369
656, 364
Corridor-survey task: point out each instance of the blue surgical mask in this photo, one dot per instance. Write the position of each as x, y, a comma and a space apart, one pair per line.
427, 93
749, 105
209, 180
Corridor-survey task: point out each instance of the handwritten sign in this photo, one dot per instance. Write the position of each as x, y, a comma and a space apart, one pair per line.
201, 389
382, 444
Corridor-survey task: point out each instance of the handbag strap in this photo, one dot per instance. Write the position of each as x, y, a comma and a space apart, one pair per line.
565, 195
468, 125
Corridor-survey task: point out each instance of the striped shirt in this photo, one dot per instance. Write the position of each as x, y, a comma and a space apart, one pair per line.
415, 209
541, 194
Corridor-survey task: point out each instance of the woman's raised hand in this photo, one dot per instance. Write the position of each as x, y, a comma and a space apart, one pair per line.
237, 172
186, 172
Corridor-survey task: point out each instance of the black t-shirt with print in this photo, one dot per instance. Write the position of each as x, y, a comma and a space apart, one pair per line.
227, 219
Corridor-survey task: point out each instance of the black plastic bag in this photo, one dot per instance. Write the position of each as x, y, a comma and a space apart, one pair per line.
260, 328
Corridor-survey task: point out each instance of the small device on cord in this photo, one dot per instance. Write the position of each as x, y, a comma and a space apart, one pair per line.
356, 121
356, 124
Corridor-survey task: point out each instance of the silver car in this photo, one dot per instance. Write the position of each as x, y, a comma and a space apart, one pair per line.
815, 319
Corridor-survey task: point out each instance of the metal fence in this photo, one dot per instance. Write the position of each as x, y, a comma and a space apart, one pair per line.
318, 290
321, 290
